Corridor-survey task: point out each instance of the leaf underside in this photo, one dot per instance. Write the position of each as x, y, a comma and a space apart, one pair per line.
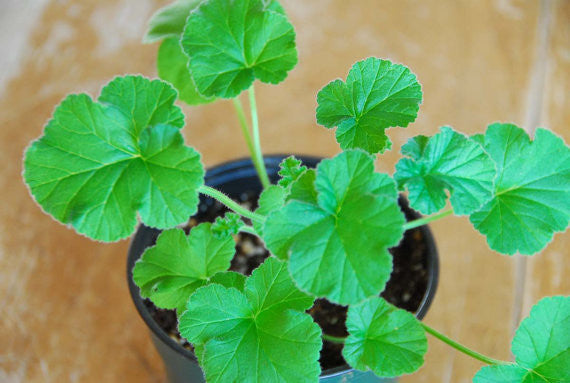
377, 95
99, 163
531, 193
338, 245
168, 22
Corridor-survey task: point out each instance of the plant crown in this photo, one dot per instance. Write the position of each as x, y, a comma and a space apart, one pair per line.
101, 163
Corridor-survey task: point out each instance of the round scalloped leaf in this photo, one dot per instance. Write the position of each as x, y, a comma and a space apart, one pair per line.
262, 335
377, 95
338, 247
382, 338
169, 272
231, 43
98, 164
172, 65
271, 198
448, 161
541, 347
532, 190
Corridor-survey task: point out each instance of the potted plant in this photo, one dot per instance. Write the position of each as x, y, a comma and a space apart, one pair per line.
100, 164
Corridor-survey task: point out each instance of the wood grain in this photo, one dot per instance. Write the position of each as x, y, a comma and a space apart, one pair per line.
66, 313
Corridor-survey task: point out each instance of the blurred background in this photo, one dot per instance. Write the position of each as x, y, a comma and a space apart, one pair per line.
66, 315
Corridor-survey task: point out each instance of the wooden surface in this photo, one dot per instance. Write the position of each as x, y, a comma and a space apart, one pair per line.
66, 313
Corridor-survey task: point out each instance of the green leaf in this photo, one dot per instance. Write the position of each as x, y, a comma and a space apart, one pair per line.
262, 335
532, 190
303, 189
172, 66
169, 272
169, 21
230, 279
338, 247
272, 198
229, 225
231, 43
541, 347
290, 169
448, 161
98, 164
387, 340
377, 95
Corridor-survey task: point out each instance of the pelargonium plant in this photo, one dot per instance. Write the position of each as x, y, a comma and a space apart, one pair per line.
103, 165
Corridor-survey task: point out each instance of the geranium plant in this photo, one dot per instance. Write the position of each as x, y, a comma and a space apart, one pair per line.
101, 163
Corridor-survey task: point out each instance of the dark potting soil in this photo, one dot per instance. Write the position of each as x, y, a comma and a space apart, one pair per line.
405, 289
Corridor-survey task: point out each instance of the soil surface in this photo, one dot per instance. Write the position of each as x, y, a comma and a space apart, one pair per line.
405, 289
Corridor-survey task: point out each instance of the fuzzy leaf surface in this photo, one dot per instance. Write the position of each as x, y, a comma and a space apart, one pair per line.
532, 190
541, 347
338, 247
260, 335
231, 43
169, 21
271, 198
98, 164
172, 65
169, 272
377, 95
448, 161
387, 340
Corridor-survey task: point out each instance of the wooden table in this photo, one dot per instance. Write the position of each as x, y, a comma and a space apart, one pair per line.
66, 313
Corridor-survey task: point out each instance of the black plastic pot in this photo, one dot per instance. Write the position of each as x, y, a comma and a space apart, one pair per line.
234, 178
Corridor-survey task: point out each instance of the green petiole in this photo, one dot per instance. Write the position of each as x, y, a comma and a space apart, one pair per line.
248, 229
221, 197
334, 339
425, 220
258, 155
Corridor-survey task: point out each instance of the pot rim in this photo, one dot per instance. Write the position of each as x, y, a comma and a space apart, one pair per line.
242, 168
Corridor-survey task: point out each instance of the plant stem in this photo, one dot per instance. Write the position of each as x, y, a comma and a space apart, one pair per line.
422, 221
248, 229
460, 347
334, 339
218, 195
258, 155
248, 140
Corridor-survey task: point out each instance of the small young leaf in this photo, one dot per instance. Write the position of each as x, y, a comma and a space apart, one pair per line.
229, 225
541, 347
169, 272
290, 169
387, 340
449, 161
532, 190
262, 335
233, 42
271, 199
97, 164
169, 21
377, 95
338, 247
172, 65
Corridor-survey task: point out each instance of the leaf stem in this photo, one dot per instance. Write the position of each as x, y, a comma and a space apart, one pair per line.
258, 155
334, 339
460, 347
425, 220
248, 140
248, 229
218, 195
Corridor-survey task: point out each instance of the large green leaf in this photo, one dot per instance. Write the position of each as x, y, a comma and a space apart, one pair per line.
541, 347
338, 246
532, 190
98, 164
169, 21
169, 272
261, 335
387, 340
233, 42
377, 95
172, 65
448, 161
